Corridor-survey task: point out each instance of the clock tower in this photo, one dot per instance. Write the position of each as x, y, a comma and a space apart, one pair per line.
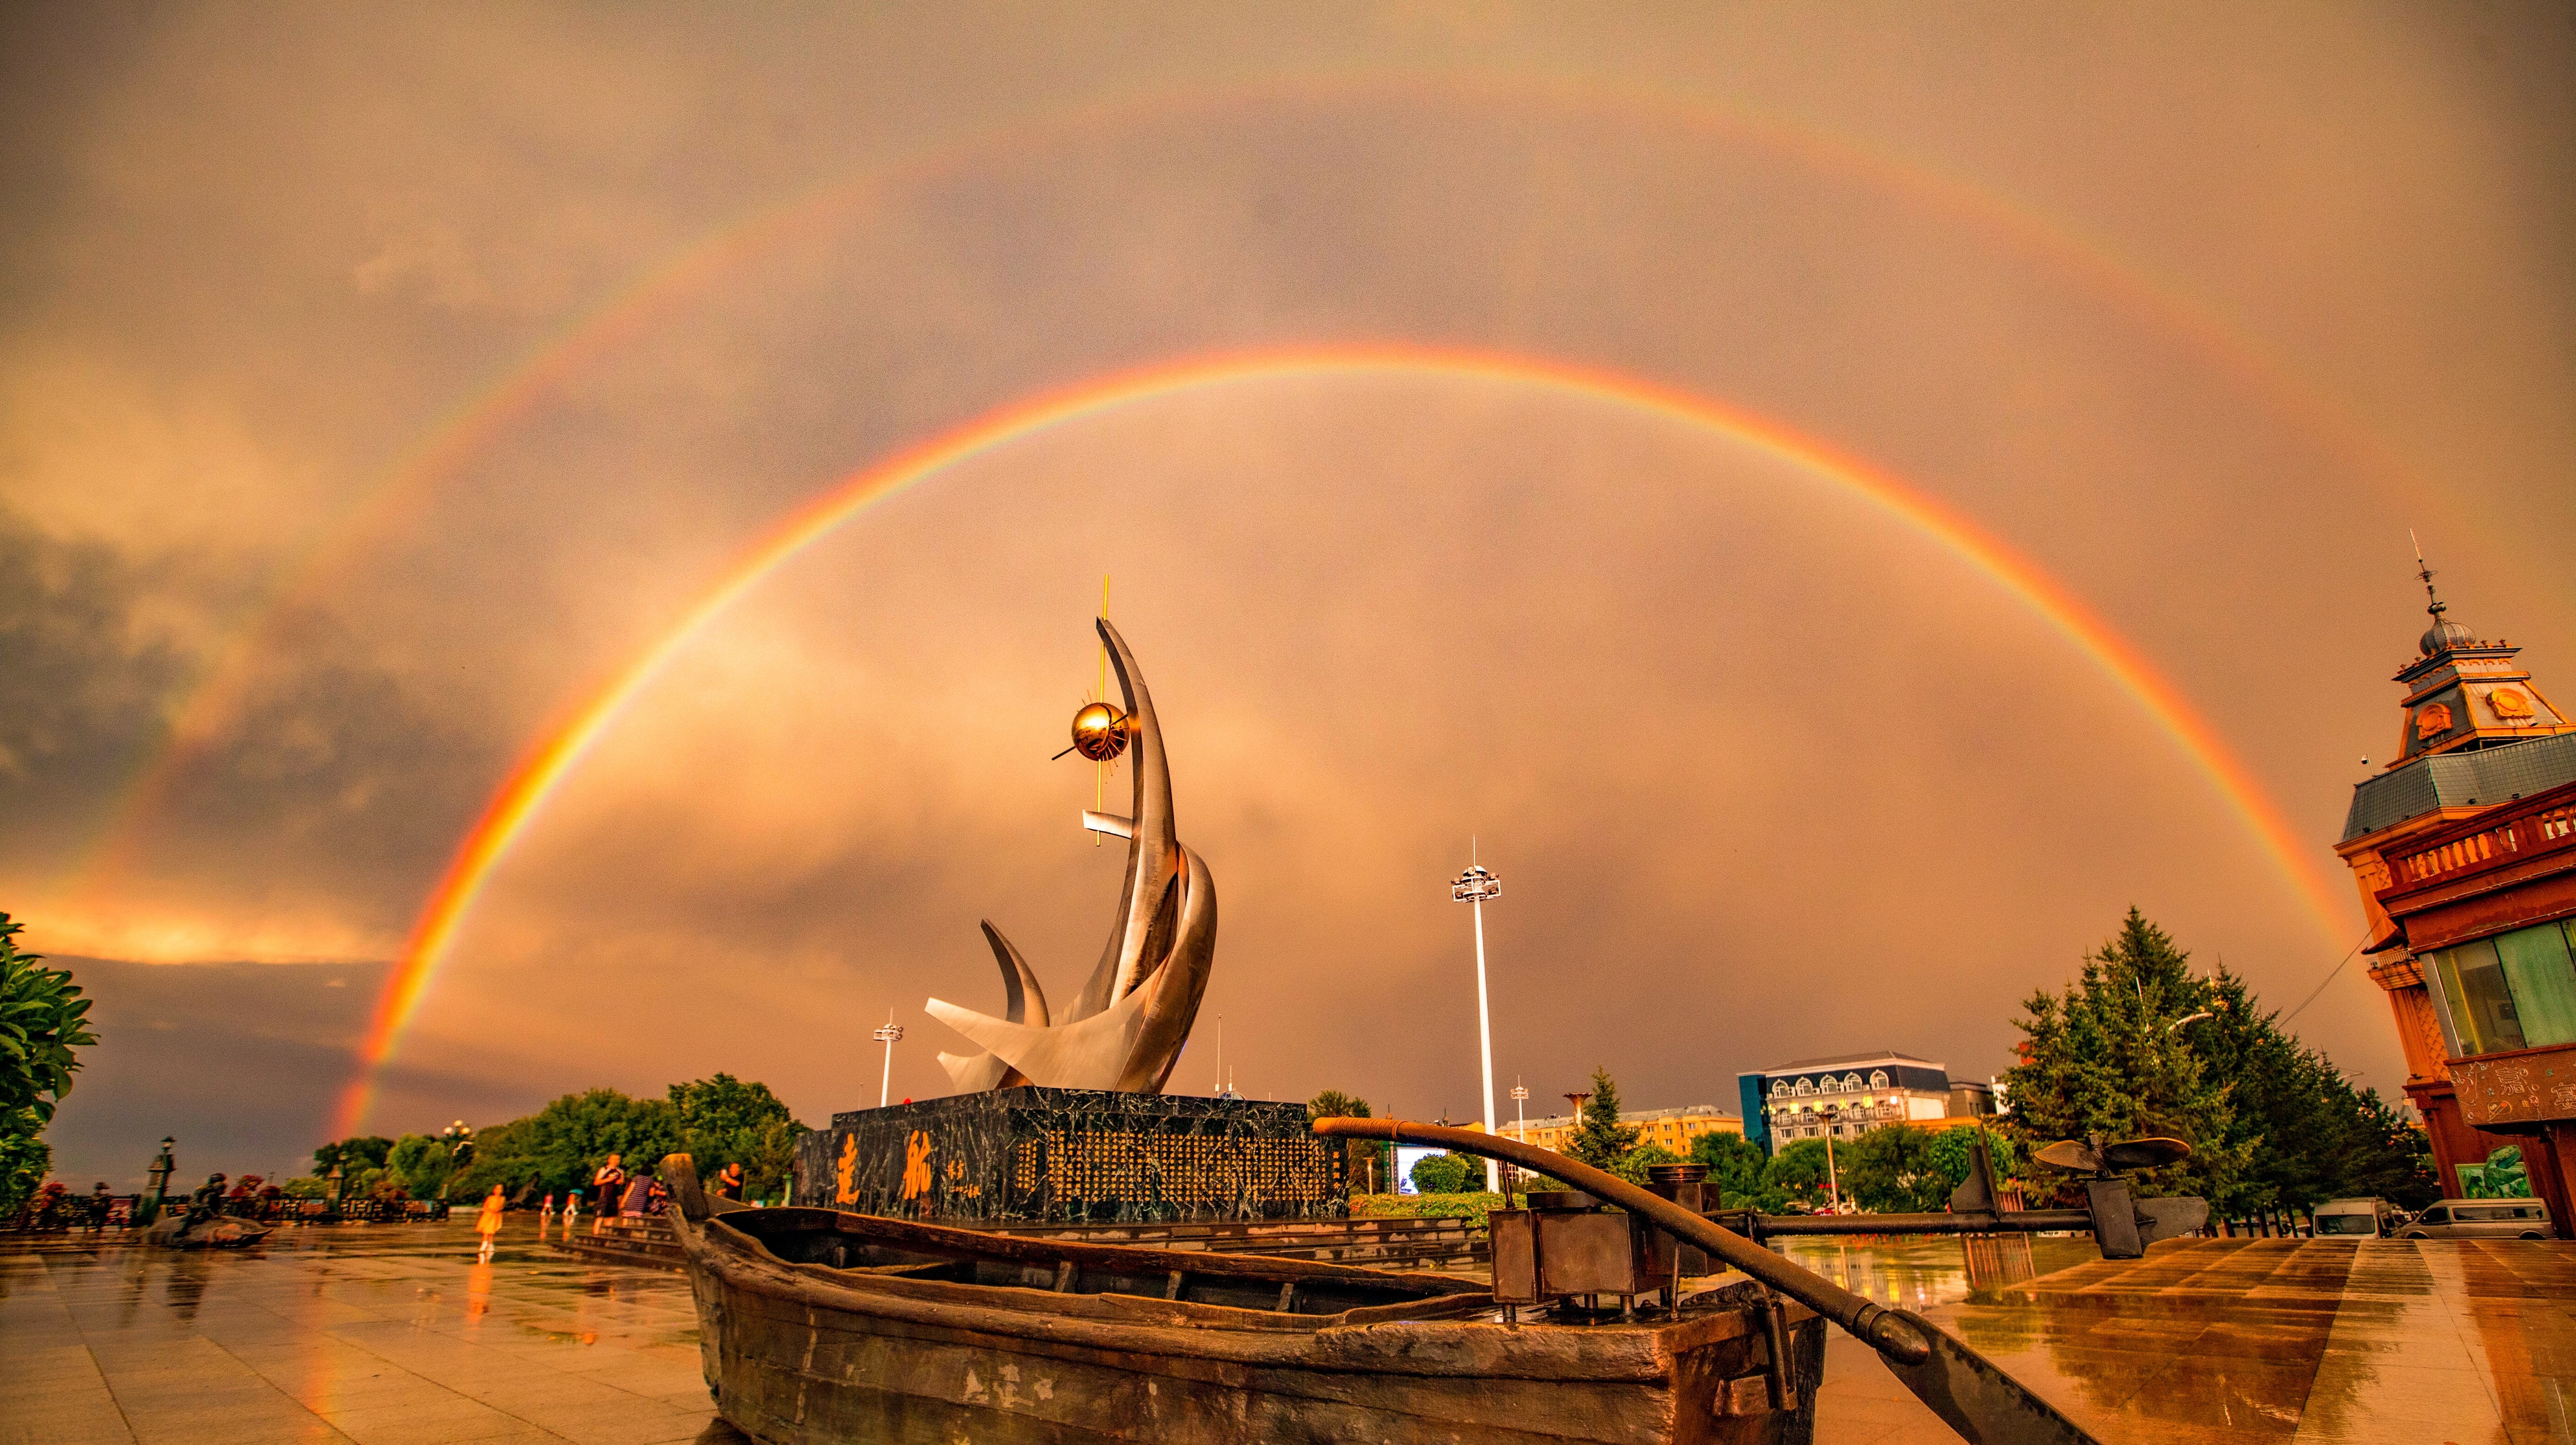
2464, 692
2476, 736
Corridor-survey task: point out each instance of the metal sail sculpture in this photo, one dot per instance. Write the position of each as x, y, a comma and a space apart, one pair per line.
1126, 1030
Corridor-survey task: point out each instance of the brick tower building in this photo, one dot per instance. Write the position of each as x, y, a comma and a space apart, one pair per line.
2477, 737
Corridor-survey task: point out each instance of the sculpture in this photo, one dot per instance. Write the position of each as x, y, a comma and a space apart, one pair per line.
1126, 1029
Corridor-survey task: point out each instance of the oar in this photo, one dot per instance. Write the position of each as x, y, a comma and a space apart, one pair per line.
1981, 1402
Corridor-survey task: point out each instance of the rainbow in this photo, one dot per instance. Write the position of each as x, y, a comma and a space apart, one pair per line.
407, 485
542, 771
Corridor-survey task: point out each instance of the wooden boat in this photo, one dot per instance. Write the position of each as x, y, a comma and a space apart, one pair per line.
820, 1327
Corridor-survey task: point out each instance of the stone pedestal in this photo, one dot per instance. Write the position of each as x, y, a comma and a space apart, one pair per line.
1073, 1156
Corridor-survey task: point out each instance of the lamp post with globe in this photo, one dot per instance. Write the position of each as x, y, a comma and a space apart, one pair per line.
1473, 887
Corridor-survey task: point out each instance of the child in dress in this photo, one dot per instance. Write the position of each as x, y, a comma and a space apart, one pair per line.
488, 1223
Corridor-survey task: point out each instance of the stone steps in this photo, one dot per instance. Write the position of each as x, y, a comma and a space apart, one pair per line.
1367, 1243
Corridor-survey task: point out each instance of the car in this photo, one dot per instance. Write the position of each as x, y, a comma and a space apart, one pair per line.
2481, 1219
2372, 1218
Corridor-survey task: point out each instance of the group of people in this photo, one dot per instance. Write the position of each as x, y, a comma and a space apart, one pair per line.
618, 1194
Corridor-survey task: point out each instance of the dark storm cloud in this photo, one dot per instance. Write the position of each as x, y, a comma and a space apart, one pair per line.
83, 681
240, 1061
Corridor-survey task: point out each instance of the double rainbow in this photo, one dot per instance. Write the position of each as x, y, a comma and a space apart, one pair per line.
534, 780
406, 486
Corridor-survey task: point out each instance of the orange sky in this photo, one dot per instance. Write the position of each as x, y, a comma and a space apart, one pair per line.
2201, 311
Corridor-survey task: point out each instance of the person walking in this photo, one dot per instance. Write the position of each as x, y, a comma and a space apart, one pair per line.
572, 1208
488, 1223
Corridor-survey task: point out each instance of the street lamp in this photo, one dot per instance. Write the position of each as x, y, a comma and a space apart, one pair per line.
1473, 887
890, 1035
460, 1152
1520, 1115
1833, 1117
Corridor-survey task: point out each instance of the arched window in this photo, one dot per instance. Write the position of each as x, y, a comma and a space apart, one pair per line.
1806, 1086
1851, 1081
1779, 1087
1878, 1078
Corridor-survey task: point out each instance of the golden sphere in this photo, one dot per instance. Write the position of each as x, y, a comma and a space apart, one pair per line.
1100, 732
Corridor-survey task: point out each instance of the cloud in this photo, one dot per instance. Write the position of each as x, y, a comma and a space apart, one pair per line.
2201, 312
240, 1061
81, 687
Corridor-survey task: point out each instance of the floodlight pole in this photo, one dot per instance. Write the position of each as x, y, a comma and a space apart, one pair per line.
890, 1035
1473, 887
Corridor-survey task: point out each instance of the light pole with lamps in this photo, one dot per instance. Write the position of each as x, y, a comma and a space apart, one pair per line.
1833, 1116
890, 1035
1473, 887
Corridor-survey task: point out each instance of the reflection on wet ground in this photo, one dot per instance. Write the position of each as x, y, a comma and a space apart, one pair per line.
2444, 1342
394, 1335
380, 1335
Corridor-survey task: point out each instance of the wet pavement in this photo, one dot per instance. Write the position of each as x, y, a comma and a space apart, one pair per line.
373, 1334
2293, 1340
395, 1335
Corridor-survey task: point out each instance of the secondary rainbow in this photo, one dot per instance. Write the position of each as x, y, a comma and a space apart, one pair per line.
537, 776
654, 293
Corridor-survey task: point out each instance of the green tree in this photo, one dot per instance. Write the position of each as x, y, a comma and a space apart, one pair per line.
24, 1159
1363, 1160
2142, 1045
2103, 1058
725, 1120
1797, 1174
1632, 1166
562, 1144
1445, 1173
421, 1164
1952, 1150
1600, 1140
1890, 1170
351, 1155
2311, 1135
1734, 1168
43, 1021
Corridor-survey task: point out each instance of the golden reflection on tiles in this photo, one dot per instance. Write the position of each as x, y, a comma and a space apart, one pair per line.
378, 1335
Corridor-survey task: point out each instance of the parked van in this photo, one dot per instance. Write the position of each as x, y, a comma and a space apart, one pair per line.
2357, 1219
2482, 1219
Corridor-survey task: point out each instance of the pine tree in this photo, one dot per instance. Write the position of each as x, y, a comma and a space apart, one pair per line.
1601, 1140
2102, 1058
2312, 1135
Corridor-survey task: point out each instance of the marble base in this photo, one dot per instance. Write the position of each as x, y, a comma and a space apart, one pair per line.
1073, 1156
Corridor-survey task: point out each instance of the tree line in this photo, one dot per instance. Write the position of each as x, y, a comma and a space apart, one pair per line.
2137, 1044
715, 1121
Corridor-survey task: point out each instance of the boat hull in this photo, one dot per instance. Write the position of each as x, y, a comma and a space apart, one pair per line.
796, 1356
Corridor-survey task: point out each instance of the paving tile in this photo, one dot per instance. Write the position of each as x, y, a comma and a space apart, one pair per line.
423, 1422
70, 1423
393, 1335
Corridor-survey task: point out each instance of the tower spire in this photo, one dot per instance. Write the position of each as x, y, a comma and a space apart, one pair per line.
2463, 692
2425, 571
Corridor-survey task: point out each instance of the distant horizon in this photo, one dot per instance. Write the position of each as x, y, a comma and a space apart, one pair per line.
585, 528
